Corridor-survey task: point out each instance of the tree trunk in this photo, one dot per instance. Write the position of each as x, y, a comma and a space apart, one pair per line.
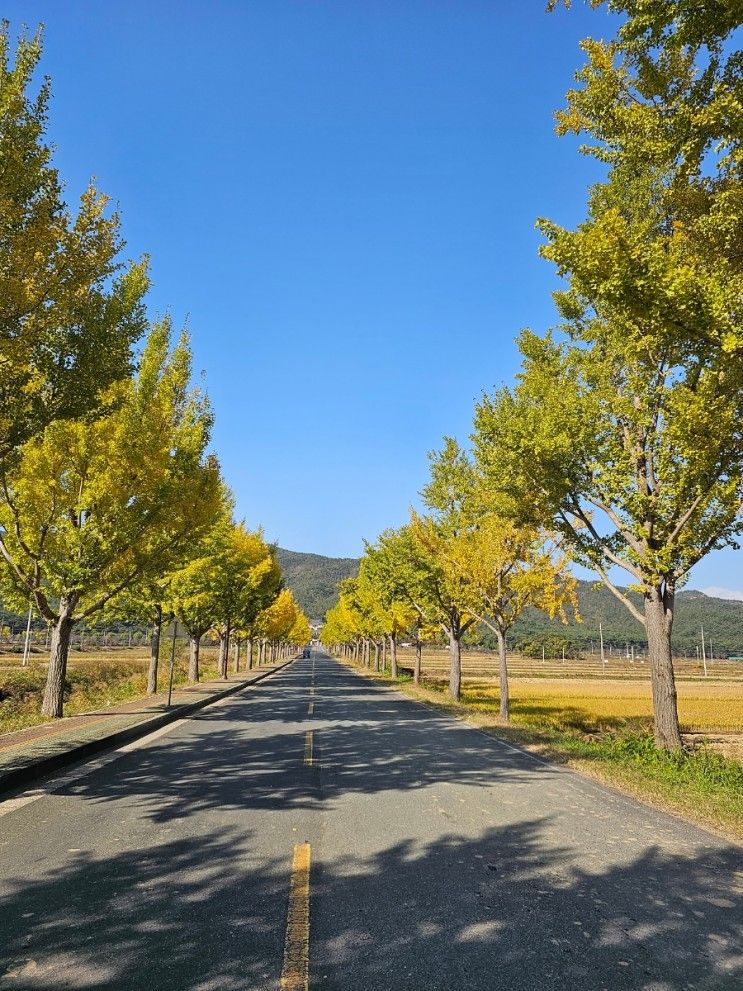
194, 645
261, 651
157, 623
455, 659
237, 655
393, 655
53, 703
384, 654
376, 656
418, 658
250, 653
224, 649
503, 674
658, 624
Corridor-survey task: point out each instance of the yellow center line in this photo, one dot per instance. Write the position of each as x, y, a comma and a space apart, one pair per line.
295, 974
308, 759
311, 709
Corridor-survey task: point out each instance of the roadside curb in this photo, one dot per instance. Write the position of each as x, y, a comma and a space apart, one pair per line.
35, 769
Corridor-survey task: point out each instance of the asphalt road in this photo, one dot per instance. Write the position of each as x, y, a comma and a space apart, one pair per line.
440, 859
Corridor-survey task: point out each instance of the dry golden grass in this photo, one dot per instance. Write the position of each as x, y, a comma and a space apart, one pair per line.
95, 680
79, 658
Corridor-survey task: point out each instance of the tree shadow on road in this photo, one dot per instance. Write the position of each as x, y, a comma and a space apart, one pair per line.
507, 909
252, 755
509, 900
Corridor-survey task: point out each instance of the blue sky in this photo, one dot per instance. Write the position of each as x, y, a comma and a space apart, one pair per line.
340, 198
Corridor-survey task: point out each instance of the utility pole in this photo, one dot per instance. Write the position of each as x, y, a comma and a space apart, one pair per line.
27, 644
704, 655
172, 660
601, 637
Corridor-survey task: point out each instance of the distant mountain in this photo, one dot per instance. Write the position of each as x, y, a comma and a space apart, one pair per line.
722, 620
314, 579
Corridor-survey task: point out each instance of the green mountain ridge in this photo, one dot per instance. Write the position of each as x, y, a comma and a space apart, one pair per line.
721, 619
314, 579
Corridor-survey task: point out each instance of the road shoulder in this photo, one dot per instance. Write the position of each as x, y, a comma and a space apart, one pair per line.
528, 743
29, 755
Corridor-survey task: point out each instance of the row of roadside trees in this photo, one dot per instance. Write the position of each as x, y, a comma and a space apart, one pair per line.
109, 496
621, 444
457, 565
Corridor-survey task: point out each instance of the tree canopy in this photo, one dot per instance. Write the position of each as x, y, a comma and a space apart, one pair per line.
70, 308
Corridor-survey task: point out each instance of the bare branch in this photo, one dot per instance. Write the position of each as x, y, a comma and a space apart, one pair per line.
629, 537
686, 517
625, 600
605, 549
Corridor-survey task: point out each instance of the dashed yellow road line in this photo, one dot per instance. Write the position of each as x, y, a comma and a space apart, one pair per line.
295, 974
308, 746
311, 709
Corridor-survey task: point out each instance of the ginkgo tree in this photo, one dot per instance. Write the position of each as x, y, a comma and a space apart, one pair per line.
88, 509
502, 569
495, 566
275, 623
639, 466
191, 586
244, 566
362, 603
142, 602
234, 574
70, 309
300, 632
342, 626
394, 613
262, 589
441, 596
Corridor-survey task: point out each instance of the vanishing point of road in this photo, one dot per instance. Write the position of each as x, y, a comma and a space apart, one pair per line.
322, 831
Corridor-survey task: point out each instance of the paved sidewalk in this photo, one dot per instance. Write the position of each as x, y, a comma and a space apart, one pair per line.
31, 753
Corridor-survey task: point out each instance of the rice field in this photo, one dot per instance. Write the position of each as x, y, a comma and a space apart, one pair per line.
597, 698
596, 705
